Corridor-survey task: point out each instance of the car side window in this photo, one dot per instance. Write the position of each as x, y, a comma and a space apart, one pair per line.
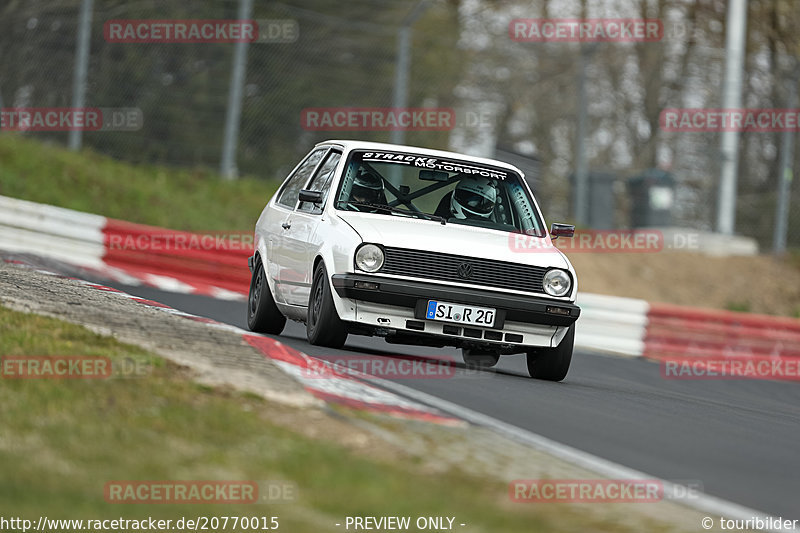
322, 181
291, 189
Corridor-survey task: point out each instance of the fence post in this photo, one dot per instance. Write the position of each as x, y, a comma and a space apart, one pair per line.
785, 177
233, 114
81, 69
400, 93
735, 42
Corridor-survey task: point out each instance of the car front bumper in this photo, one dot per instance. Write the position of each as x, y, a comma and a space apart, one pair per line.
400, 304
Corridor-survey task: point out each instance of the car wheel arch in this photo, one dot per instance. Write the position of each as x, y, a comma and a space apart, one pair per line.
260, 258
317, 260
257, 259
345, 310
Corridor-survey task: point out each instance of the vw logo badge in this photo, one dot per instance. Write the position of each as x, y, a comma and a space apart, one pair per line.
465, 270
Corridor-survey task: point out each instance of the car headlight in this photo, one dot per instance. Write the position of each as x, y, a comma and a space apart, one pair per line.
556, 282
369, 258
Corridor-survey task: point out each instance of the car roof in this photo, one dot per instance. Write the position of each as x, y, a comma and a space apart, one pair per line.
348, 145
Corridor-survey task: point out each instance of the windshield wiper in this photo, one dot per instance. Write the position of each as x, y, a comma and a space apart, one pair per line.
392, 209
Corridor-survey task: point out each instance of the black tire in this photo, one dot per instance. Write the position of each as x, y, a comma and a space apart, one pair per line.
263, 315
474, 358
552, 364
323, 325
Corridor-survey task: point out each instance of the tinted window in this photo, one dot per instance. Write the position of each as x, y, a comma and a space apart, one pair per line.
291, 189
322, 179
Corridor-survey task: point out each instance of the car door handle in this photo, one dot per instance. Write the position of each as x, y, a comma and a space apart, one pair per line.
286, 225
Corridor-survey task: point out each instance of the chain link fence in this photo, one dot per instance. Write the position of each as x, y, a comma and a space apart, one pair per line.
337, 60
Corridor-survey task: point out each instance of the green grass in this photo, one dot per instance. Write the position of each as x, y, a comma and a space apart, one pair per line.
740, 306
192, 200
62, 440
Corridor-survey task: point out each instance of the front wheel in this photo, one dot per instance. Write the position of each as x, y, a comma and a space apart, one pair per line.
323, 325
552, 364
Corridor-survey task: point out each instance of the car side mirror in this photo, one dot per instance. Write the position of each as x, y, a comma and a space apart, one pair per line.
314, 197
561, 230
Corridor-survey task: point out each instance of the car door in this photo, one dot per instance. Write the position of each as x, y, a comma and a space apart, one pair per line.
300, 237
278, 222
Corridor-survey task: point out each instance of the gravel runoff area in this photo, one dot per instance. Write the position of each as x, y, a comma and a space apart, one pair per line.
220, 357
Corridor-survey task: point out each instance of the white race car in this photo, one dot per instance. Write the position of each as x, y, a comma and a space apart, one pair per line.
418, 246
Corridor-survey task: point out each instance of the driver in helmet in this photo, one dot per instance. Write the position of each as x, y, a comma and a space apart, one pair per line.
473, 198
368, 188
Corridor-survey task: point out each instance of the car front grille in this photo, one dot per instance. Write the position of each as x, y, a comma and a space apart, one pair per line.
448, 267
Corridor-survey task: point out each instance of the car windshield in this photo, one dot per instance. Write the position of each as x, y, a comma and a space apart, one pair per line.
445, 190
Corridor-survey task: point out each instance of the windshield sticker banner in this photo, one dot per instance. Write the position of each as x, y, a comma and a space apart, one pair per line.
433, 163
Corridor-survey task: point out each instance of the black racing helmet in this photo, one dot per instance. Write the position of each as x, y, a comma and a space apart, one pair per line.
473, 197
368, 187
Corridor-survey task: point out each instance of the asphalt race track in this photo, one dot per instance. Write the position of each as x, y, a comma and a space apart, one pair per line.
739, 438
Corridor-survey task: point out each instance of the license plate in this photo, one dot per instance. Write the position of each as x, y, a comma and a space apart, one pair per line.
462, 314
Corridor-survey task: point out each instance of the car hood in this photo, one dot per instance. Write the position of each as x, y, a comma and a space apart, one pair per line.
419, 234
